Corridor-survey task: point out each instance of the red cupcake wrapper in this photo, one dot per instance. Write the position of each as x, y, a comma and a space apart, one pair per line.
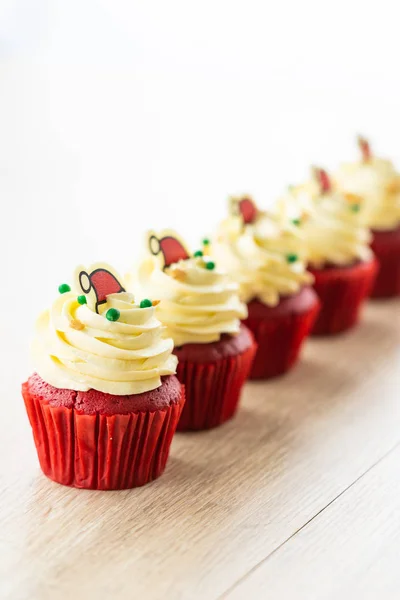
101, 452
212, 389
280, 332
342, 291
386, 246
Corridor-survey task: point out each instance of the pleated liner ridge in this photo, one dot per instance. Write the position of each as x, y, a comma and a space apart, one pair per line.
342, 292
386, 246
212, 389
280, 339
98, 451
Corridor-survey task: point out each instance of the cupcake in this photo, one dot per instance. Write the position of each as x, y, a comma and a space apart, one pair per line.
103, 402
200, 310
264, 254
338, 252
378, 183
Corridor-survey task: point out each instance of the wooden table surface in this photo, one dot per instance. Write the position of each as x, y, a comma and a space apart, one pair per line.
297, 498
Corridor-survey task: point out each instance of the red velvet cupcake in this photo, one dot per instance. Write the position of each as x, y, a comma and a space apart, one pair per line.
340, 259
104, 403
264, 254
201, 311
378, 183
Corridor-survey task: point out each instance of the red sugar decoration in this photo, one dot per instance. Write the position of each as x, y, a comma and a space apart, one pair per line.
323, 179
365, 148
248, 210
102, 282
105, 283
172, 249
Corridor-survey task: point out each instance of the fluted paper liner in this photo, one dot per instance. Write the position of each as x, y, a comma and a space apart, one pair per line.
386, 246
102, 452
212, 389
342, 292
280, 333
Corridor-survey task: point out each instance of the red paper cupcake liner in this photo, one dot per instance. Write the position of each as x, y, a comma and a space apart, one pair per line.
212, 389
280, 332
342, 291
386, 246
101, 452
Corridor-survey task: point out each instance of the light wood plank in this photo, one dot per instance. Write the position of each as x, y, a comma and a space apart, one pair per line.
350, 550
229, 497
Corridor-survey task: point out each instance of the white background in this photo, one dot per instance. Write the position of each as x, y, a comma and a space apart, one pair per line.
119, 116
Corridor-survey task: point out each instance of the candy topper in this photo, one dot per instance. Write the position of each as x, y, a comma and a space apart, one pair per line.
97, 282
168, 246
322, 178
365, 148
245, 208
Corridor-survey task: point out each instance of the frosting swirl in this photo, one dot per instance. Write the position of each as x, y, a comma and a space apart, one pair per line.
197, 305
378, 182
77, 348
332, 223
265, 257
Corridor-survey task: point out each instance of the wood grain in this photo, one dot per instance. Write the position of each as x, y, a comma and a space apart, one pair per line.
349, 550
278, 489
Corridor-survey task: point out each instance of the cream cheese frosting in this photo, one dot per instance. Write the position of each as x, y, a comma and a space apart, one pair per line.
263, 254
78, 348
378, 182
332, 223
198, 301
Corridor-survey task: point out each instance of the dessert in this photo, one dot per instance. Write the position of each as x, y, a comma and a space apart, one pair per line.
264, 254
200, 310
338, 252
103, 402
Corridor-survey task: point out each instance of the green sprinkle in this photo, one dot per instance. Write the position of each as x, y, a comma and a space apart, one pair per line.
206, 242
82, 299
355, 207
63, 288
291, 258
296, 221
146, 303
198, 253
113, 314
210, 265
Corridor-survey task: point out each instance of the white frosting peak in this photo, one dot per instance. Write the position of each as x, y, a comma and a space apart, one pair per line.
197, 304
378, 182
264, 257
77, 348
332, 224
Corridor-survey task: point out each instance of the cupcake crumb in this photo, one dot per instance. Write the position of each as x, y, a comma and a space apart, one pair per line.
76, 324
177, 274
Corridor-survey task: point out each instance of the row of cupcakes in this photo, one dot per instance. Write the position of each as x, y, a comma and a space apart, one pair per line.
121, 364
117, 372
